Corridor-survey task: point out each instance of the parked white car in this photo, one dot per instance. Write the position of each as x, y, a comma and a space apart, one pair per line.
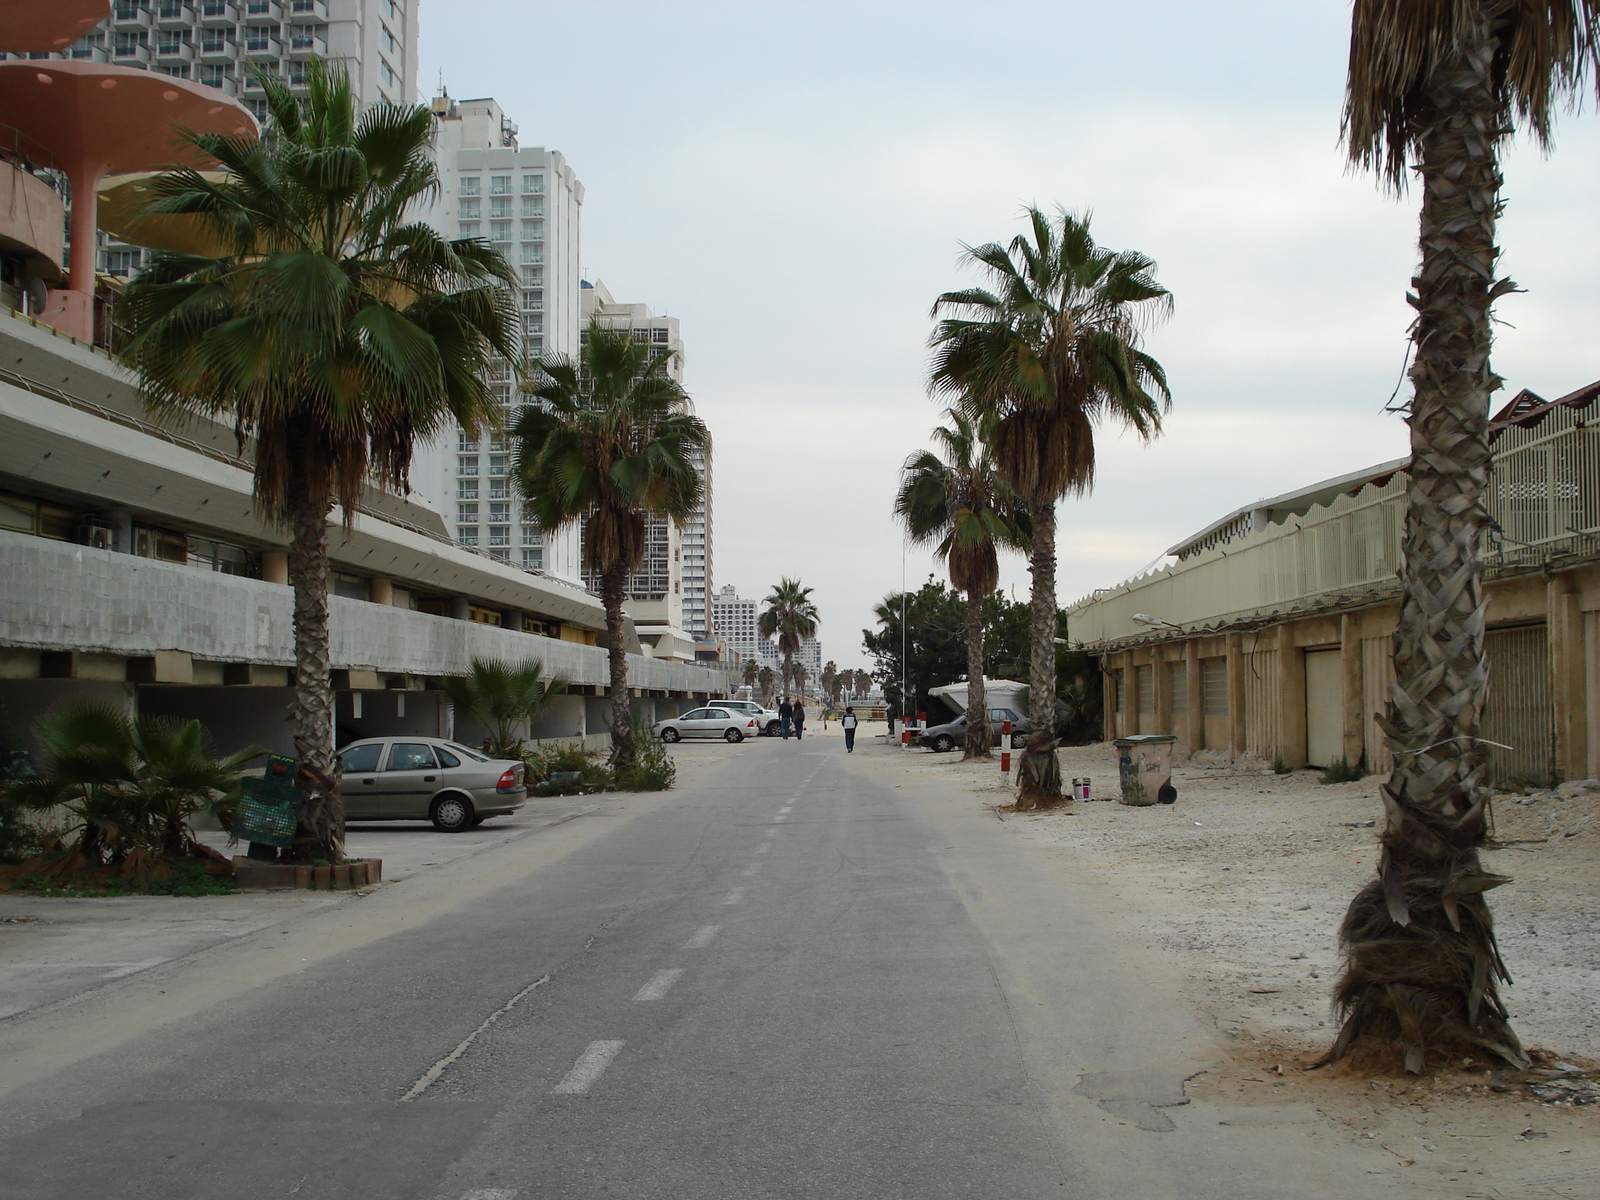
767, 721
730, 724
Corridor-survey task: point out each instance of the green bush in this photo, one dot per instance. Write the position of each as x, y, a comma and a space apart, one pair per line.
185, 877
653, 769
1340, 771
1279, 767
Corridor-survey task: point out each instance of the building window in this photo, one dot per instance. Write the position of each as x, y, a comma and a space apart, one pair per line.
499, 185
1118, 679
466, 512
533, 252
469, 209
500, 231
469, 229
212, 76
1178, 688
467, 535
386, 72
386, 38
500, 206
122, 262
533, 206
1144, 687
533, 558
534, 301
499, 512
467, 465
531, 536
497, 464
533, 323
1214, 687
499, 535
498, 490
466, 489
467, 443
533, 275
532, 230
533, 183
471, 185
659, 335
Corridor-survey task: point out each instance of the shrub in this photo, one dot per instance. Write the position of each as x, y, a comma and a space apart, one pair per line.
1279, 767
1340, 771
653, 769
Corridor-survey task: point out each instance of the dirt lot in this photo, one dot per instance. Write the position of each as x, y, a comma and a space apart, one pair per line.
1245, 880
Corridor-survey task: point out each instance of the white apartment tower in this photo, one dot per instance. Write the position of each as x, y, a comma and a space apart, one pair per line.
734, 620
218, 42
679, 557
526, 201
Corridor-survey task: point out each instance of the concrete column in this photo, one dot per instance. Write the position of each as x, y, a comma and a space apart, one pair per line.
1161, 681
275, 566
1291, 698
460, 609
447, 718
382, 591
513, 620
1565, 631
1236, 669
1194, 701
1350, 674
1108, 697
121, 530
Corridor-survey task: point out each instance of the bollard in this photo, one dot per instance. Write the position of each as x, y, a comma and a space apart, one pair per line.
905, 737
1005, 762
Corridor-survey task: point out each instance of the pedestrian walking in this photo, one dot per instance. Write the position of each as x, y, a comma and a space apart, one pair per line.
848, 723
799, 719
786, 715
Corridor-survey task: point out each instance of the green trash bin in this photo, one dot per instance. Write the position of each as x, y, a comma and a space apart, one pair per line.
1145, 764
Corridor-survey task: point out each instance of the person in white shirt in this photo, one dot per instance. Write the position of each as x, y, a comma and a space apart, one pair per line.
848, 723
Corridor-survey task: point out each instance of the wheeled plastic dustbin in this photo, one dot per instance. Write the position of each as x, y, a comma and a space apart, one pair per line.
1145, 764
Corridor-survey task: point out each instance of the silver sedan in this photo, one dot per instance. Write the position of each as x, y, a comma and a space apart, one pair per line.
428, 779
727, 723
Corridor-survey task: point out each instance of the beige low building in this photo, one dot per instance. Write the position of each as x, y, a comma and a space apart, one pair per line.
1270, 635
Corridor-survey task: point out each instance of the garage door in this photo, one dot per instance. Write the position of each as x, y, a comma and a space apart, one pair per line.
1324, 708
1518, 714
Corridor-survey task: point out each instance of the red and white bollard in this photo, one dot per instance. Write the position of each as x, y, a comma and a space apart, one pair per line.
1005, 762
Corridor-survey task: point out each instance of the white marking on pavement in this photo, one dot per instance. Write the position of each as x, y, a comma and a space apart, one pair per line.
702, 937
660, 984
591, 1064
751, 869
779, 819
734, 896
438, 1068
786, 809
764, 847
491, 1194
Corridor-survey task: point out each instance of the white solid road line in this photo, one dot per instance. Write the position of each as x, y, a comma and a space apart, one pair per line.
734, 896
660, 984
702, 937
591, 1064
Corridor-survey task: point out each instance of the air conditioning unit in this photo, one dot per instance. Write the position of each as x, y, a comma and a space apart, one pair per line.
96, 534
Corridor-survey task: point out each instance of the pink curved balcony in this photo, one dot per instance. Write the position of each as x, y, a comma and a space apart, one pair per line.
41, 25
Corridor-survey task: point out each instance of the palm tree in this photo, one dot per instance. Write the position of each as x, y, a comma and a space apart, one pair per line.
333, 335
766, 676
1049, 353
830, 682
609, 443
503, 695
790, 617
960, 502
132, 784
751, 672
798, 673
1434, 88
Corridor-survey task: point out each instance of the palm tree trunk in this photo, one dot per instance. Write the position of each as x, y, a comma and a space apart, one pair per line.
1421, 967
321, 829
612, 584
979, 738
1039, 772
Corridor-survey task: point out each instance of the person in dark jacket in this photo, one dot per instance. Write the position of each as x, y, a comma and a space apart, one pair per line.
785, 714
848, 722
799, 720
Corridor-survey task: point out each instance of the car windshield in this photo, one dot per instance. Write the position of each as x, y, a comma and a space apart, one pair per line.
469, 752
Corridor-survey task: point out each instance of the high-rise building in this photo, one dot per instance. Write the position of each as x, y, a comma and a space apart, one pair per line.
526, 201
218, 43
734, 620
672, 587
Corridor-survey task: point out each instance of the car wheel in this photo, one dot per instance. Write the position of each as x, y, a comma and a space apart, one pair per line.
669, 735
774, 729
452, 813
734, 735
944, 742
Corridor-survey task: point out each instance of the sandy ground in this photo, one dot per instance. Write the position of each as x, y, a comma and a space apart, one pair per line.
1245, 879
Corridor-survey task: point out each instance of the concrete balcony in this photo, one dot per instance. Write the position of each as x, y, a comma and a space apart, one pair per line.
307, 47
31, 225
307, 11
130, 16
174, 16
131, 56
217, 49
261, 12
218, 14
171, 54
62, 605
259, 46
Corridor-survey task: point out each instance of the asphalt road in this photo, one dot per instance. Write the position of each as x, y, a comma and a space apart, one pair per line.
788, 979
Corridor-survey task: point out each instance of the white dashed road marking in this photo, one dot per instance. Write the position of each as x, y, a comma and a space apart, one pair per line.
734, 896
764, 847
787, 808
491, 1194
751, 869
660, 984
702, 937
779, 819
591, 1064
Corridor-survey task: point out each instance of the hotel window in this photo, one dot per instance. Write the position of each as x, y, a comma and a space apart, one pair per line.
471, 185
387, 38
212, 76
386, 72
467, 465
533, 275
498, 444
500, 231
122, 262
467, 535
500, 185
532, 230
533, 183
467, 443
470, 229
660, 335
531, 536
499, 512
533, 300
499, 535
469, 209
499, 206
466, 489
533, 252
466, 512
533, 323
497, 464
533, 206
533, 558
501, 556
498, 489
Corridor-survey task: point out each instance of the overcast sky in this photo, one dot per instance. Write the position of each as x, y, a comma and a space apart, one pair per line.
794, 182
